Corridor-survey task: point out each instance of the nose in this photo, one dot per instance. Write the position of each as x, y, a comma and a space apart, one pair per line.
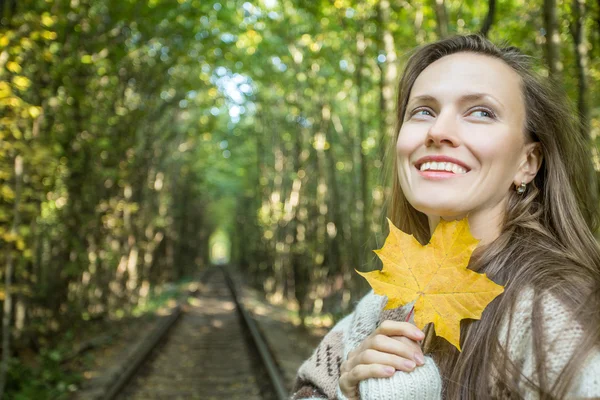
444, 130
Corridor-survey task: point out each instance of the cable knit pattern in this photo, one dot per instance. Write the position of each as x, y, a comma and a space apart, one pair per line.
424, 383
318, 376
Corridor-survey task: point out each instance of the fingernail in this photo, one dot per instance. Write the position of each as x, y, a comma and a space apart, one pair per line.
419, 359
419, 334
409, 364
389, 370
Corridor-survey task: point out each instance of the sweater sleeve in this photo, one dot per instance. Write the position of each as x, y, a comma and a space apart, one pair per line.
562, 336
423, 383
318, 377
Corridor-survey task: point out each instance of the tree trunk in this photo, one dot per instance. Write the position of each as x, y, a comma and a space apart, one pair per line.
489, 18
389, 76
441, 16
582, 61
577, 29
10, 6
552, 39
8, 272
598, 22
326, 167
337, 234
300, 269
360, 127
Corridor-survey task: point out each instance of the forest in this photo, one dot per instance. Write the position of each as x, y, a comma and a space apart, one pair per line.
136, 137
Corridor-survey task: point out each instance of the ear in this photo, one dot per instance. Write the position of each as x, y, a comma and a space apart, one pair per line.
530, 163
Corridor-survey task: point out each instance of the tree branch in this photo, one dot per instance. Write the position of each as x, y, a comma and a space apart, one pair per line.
489, 18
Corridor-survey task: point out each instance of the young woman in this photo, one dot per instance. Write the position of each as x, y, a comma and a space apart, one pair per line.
480, 136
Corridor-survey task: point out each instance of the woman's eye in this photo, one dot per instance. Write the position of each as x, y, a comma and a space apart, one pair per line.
423, 112
481, 113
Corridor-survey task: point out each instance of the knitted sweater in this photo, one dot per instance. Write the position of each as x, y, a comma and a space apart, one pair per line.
318, 376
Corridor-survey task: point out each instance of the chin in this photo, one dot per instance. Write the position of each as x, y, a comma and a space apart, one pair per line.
440, 209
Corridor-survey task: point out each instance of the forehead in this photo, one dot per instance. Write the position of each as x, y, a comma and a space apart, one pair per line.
464, 73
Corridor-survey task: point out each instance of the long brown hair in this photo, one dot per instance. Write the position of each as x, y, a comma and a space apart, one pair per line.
546, 242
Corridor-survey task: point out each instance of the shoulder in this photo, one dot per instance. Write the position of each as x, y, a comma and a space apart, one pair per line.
556, 319
540, 323
371, 310
557, 332
370, 302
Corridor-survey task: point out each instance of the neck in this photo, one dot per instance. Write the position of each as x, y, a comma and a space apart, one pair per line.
485, 225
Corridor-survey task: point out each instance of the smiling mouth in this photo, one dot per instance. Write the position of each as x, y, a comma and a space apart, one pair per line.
444, 167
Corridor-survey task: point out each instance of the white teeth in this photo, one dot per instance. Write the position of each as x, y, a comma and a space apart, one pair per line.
442, 166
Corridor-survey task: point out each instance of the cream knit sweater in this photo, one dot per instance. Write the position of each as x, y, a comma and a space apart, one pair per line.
318, 376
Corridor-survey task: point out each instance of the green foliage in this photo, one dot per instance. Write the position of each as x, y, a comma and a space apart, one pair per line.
94, 96
312, 139
47, 381
146, 126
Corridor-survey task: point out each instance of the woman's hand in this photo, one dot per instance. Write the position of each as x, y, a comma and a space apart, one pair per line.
392, 346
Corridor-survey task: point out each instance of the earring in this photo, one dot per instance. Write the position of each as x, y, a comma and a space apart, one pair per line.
521, 188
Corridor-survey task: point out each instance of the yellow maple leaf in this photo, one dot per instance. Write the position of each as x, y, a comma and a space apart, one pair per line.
435, 276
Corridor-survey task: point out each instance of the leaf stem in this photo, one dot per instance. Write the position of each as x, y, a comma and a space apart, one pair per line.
409, 314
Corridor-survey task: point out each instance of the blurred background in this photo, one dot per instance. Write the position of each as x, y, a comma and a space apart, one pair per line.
143, 141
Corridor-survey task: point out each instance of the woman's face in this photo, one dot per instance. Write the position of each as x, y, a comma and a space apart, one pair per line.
462, 141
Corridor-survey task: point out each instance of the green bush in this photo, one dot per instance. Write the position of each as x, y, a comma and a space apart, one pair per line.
48, 380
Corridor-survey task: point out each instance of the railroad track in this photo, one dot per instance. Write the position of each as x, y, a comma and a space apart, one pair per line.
211, 349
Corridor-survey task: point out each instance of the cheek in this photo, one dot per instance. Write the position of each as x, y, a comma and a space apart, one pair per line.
501, 154
406, 144
487, 150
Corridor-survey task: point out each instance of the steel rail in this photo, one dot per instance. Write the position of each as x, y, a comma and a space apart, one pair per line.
275, 377
142, 353
145, 348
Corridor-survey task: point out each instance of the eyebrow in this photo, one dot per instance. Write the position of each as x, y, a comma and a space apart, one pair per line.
467, 98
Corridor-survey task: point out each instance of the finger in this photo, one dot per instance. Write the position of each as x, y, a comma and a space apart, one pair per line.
399, 328
374, 357
352, 360
418, 355
349, 380
349, 386
346, 366
409, 342
398, 345
367, 371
